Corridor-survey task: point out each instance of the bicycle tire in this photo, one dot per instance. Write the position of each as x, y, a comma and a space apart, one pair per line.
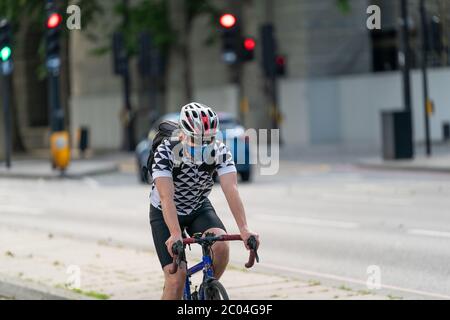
214, 290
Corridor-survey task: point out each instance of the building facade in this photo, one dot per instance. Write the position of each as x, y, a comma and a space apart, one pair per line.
340, 75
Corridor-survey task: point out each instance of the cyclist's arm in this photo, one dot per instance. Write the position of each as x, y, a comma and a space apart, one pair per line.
166, 190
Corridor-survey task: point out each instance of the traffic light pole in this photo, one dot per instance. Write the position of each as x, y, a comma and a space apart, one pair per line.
129, 129
405, 61
6, 91
6, 68
56, 111
53, 68
128, 142
423, 18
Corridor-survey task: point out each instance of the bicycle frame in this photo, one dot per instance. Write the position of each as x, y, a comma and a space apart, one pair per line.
207, 263
206, 266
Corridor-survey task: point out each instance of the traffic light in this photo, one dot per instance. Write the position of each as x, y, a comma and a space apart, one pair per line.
436, 29
248, 49
53, 26
5, 40
119, 54
268, 50
5, 53
5, 48
150, 60
280, 65
230, 38
273, 63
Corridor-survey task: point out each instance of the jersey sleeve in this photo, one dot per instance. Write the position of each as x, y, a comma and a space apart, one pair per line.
162, 165
224, 162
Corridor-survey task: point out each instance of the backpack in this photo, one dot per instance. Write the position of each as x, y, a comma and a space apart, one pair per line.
165, 131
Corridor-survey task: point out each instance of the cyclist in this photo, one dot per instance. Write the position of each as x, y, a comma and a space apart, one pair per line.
182, 172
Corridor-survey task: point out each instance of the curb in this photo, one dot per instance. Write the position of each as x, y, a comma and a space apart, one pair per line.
57, 175
16, 289
402, 167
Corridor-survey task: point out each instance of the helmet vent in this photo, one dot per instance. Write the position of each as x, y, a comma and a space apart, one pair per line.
186, 125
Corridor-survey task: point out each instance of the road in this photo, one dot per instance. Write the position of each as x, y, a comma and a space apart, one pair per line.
326, 221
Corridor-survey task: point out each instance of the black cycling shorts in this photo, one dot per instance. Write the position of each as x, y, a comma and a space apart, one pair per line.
198, 221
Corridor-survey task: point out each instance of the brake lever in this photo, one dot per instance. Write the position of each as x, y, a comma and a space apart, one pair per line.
251, 242
179, 256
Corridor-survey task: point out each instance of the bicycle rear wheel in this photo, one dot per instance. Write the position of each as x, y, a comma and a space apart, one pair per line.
214, 290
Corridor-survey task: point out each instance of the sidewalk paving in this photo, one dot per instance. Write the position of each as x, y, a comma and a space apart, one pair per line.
435, 163
41, 168
107, 271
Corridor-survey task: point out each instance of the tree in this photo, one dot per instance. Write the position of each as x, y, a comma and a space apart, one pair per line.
157, 16
170, 23
24, 14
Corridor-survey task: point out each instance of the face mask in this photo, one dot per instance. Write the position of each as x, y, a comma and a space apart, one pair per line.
199, 153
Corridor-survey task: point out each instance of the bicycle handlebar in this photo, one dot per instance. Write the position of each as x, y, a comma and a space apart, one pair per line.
178, 256
179, 253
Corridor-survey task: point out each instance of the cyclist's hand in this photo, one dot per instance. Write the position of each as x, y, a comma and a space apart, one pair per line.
245, 234
172, 239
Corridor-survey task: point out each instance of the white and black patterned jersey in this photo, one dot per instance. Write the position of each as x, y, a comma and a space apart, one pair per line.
192, 181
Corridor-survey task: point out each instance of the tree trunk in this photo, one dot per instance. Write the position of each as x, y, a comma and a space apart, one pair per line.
179, 83
188, 86
17, 141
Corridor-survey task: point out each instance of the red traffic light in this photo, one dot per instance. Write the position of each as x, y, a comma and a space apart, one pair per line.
54, 20
280, 60
227, 20
249, 44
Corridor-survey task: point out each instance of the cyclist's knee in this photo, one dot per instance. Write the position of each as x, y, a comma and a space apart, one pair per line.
221, 249
216, 231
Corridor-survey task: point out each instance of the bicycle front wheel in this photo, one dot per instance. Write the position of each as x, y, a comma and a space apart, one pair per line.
214, 290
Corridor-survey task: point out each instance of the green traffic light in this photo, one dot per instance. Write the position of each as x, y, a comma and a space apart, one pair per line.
5, 53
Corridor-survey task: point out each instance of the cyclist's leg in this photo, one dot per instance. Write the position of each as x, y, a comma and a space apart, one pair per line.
206, 220
174, 283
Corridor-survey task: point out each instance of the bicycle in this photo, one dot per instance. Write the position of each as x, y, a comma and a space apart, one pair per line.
210, 288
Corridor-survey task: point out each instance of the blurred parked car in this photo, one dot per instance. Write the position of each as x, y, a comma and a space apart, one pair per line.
232, 135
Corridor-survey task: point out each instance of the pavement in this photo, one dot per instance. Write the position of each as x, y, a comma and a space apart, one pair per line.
321, 219
438, 162
39, 265
40, 167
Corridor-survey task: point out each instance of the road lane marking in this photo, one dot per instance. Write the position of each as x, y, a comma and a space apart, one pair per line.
20, 209
429, 233
353, 280
308, 221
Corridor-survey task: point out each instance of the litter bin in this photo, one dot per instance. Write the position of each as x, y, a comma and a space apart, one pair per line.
83, 140
397, 135
446, 131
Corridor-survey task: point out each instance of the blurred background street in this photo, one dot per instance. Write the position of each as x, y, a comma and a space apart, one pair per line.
357, 88
326, 221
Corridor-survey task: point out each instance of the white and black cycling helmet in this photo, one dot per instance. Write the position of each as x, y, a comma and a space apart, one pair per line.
198, 120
